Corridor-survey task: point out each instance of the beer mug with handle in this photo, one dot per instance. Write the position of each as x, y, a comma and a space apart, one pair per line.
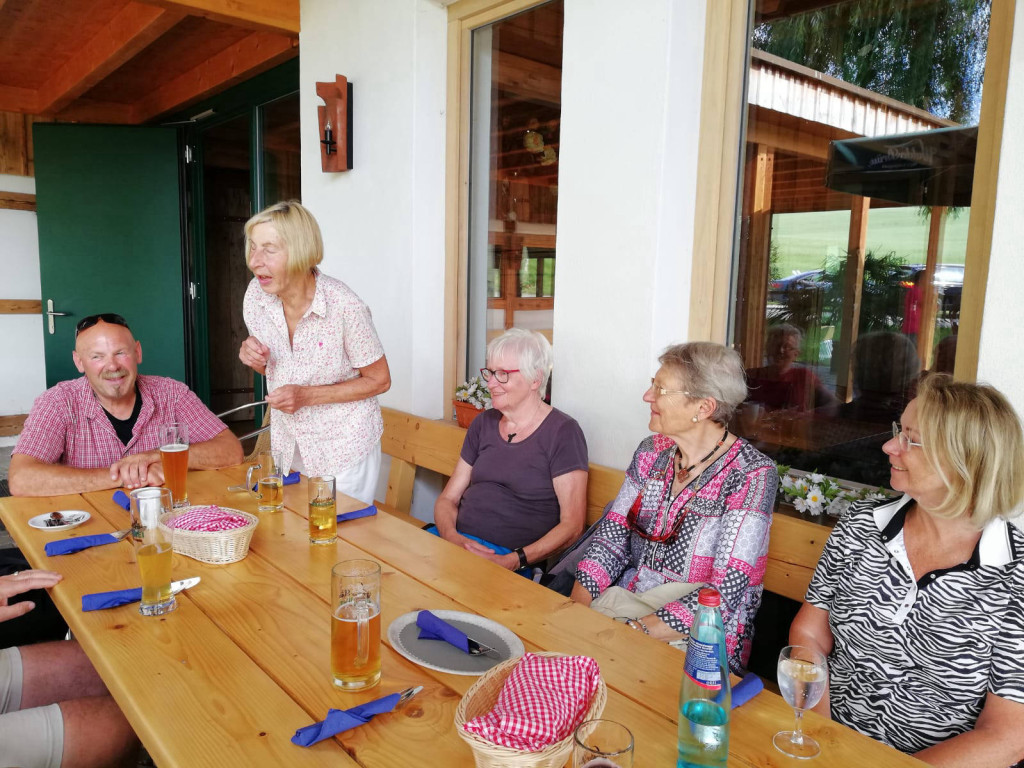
355, 624
269, 481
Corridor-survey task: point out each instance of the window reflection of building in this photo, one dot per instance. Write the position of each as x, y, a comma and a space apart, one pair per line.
863, 260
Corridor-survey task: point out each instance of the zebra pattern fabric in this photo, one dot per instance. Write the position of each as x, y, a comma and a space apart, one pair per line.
913, 660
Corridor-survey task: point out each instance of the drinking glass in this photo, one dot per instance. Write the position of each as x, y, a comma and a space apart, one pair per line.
269, 481
154, 546
174, 457
602, 744
803, 676
323, 519
355, 624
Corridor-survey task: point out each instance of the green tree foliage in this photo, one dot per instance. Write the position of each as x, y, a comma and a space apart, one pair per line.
926, 53
881, 304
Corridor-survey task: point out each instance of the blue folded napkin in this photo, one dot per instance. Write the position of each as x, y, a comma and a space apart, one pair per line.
433, 628
121, 499
746, 689
78, 543
339, 720
113, 599
364, 512
290, 479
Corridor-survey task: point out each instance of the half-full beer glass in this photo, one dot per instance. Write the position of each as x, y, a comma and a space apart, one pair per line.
154, 547
269, 481
323, 517
174, 457
355, 624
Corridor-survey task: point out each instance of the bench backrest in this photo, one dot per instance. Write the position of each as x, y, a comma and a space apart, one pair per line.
412, 441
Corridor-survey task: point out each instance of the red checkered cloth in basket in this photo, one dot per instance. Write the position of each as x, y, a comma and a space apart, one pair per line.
208, 519
543, 700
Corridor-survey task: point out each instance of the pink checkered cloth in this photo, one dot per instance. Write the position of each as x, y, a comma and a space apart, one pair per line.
208, 519
543, 700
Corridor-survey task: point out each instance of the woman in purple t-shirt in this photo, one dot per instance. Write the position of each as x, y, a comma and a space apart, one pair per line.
521, 480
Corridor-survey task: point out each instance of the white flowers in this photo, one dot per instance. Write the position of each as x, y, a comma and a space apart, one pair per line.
816, 493
475, 392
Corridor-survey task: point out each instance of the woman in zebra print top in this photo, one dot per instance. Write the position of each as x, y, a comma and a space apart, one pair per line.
919, 602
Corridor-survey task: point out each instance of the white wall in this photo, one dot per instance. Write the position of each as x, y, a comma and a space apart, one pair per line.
21, 336
383, 221
1001, 361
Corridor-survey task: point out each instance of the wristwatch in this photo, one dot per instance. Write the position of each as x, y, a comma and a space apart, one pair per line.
522, 557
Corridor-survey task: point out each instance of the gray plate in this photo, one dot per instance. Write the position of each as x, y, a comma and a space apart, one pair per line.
403, 635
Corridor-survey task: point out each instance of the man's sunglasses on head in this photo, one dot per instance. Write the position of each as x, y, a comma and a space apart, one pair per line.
107, 317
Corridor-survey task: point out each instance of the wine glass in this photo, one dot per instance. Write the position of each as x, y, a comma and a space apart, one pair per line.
803, 675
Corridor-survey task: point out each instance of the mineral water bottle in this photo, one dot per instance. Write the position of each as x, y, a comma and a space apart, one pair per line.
704, 696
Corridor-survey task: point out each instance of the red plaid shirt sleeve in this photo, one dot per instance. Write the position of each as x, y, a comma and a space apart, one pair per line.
43, 437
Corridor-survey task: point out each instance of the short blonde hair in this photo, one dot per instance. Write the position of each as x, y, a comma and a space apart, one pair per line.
711, 370
531, 350
298, 231
973, 439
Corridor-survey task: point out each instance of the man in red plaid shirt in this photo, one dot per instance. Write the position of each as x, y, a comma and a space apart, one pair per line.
102, 430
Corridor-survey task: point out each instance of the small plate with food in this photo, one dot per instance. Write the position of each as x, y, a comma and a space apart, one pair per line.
60, 521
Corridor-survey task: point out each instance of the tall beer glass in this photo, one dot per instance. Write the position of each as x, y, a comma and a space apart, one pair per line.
154, 547
269, 481
174, 456
355, 624
323, 516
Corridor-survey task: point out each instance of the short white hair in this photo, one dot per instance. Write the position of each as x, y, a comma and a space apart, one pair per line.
531, 350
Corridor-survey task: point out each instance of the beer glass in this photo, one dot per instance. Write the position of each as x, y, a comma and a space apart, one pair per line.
269, 481
323, 519
355, 624
174, 457
602, 744
154, 546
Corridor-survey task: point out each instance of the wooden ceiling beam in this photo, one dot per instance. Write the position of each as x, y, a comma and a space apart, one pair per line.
248, 57
94, 111
131, 30
281, 16
23, 100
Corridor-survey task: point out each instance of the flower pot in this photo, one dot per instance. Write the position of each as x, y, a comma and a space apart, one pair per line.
465, 413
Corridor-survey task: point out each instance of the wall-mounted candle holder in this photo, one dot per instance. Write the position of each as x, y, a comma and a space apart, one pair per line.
335, 121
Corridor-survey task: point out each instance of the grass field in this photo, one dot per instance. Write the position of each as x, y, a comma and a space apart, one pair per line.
806, 240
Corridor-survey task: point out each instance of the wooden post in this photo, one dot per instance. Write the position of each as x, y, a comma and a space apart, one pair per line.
852, 290
754, 288
926, 330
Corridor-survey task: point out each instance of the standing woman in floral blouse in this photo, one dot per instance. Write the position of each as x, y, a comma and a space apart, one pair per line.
315, 341
695, 507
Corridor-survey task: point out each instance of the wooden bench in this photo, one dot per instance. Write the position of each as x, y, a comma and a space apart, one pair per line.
412, 441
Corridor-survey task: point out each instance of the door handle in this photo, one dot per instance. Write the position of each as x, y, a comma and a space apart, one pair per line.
50, 314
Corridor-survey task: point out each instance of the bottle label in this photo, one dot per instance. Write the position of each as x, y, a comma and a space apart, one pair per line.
702, 665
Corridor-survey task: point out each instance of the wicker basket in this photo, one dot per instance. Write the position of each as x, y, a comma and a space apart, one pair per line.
480, 699
217, 547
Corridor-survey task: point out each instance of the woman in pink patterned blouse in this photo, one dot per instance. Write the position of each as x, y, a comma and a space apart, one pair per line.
315, 341
695, 507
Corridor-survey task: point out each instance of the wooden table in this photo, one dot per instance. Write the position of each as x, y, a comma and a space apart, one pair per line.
227, 678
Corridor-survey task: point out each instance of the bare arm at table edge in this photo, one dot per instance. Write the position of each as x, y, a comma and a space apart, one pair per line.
31, 477
810, 629
995, 741
374, 379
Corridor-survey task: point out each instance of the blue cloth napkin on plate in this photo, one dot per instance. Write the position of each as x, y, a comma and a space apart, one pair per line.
290, 479
433, 628
746, 689
339, 720
113, 599
121, 499
369, 511
78, 543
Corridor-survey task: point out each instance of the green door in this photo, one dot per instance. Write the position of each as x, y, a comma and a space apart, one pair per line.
109, 215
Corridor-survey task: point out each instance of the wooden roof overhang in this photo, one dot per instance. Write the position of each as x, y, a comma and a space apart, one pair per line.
122, 61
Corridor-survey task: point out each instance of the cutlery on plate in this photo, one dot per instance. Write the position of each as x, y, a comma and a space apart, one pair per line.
476, 648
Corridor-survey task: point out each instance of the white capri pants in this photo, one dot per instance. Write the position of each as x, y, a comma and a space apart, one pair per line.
29, 738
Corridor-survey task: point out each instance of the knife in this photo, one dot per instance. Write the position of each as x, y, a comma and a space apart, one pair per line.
476, 648
124, 596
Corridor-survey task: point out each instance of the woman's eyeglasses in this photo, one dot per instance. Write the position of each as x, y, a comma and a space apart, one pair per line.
657, 538
904, 440
498, 373
662, 391
107, 317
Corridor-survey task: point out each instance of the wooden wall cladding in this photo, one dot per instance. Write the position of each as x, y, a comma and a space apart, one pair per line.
20, 306
16, 153
11, 425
